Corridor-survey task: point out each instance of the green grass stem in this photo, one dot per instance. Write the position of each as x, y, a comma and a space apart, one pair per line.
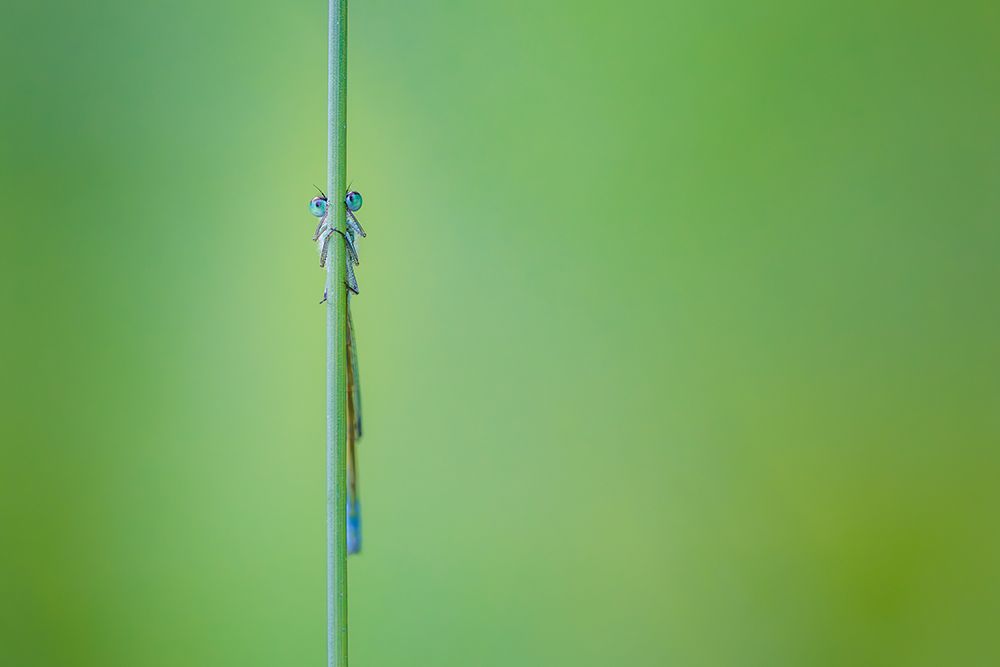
336, 346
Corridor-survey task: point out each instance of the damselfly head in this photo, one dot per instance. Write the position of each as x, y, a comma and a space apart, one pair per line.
353, 200
317, 206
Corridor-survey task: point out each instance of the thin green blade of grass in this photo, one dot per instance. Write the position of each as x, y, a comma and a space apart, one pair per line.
336, 345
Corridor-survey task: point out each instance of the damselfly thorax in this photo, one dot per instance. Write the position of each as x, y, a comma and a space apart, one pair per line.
320, 207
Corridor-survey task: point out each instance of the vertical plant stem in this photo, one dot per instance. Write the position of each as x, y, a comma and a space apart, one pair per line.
336, 346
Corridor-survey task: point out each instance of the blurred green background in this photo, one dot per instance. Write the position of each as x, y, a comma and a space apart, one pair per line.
678, 331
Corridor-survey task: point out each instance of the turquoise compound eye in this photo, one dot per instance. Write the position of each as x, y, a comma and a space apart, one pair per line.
317, 206
353, 200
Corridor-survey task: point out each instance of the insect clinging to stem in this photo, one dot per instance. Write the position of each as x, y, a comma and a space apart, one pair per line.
320, 207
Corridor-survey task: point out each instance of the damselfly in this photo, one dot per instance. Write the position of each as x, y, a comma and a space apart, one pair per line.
320, 207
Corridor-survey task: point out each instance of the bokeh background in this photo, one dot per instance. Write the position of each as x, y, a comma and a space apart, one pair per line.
678, 330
